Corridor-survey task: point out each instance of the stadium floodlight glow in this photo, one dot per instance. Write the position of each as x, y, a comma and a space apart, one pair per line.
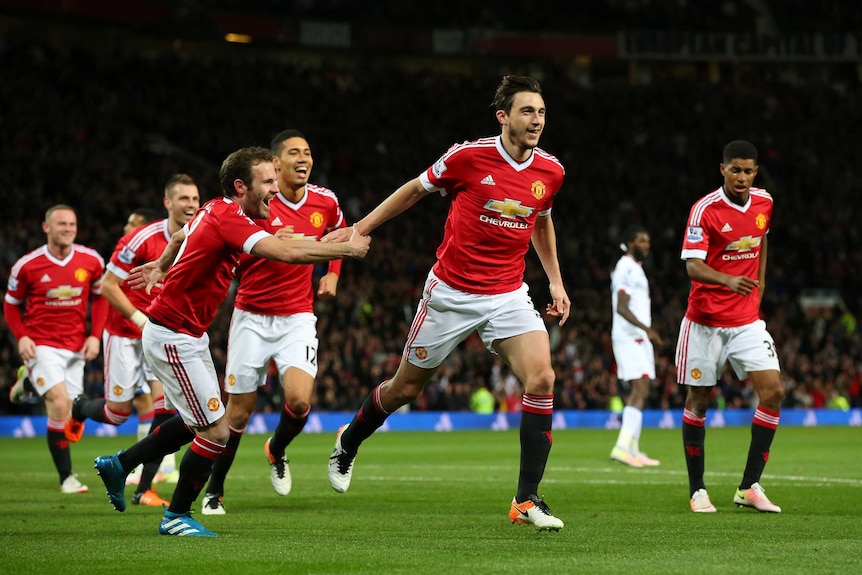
238, 38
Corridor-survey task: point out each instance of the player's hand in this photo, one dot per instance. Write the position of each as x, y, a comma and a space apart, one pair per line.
561, 305
654, 337
338, 236
285, 233
91, 348
358, 244
328, 285
145, 276
742, 285
26, 348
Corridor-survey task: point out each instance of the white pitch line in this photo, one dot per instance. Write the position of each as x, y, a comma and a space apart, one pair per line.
636, 475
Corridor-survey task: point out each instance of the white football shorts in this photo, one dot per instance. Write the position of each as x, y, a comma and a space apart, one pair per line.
185, 367
635, 359
126, 372
254, 339
53, 366
445, 317
701, 351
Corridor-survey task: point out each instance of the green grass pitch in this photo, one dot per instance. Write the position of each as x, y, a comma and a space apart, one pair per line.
437, 503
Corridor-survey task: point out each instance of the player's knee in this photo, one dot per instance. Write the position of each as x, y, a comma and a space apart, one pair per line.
697, 400
541, 383
404, 394
239, 419
298, 406
772, 396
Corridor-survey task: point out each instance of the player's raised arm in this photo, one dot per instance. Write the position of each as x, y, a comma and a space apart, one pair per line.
310, 252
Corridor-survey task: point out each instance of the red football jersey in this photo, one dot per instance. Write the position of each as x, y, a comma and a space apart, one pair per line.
55, 294
495, 202
139, 246
200, 277
268, 287
728, 237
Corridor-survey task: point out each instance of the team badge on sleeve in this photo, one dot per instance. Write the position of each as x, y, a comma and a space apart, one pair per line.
695, 234
439, 167
126, 255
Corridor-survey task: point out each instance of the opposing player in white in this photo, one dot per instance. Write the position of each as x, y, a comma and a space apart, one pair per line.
633, 338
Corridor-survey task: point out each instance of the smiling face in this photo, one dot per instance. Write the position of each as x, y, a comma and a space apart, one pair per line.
256, 197
182, 202
293, 163
61, 228
523, 123
738, 178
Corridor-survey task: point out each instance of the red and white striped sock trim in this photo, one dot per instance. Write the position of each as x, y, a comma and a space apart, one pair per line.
292, 414
377, 402
115, 417
206, 448
766, 417
56, 425
541, 404
690, 418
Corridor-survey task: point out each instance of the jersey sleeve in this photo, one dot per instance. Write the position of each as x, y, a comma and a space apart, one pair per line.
444, 173
123, 259
696, 239
336, 221
16, 287
240, 232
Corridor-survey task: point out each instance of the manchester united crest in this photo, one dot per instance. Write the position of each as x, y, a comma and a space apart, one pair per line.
81, 274
760, 221
316, 219
421, 353
538, 189
231, 380
213, 404
696, 374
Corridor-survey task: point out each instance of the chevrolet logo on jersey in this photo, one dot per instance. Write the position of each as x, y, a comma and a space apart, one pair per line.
743, 244
64, 292
509, 208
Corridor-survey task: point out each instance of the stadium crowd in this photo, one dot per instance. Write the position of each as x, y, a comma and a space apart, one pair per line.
103, 130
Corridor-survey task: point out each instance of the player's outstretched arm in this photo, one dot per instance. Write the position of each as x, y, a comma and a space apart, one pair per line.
311, 252
399, 201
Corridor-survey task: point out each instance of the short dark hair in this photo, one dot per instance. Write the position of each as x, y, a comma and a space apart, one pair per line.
238, 165
173, 181
742, 149
147, 214
631, 232
278, 140
511, 85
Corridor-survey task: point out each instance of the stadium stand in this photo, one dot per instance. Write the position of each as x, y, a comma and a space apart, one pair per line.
102, 128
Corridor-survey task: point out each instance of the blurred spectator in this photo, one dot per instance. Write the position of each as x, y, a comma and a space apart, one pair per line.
102, 131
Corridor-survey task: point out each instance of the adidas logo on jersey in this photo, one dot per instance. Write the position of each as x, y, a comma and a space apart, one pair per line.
277, 221
45, 278
727, 228
488, 180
